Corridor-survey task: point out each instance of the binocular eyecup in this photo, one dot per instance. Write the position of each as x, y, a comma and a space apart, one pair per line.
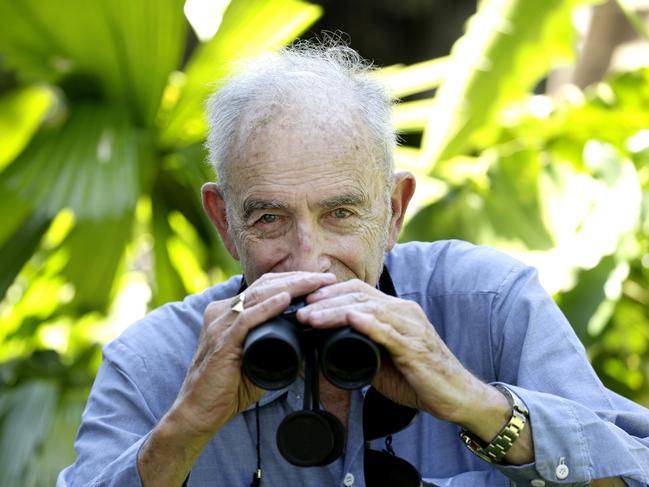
273, 353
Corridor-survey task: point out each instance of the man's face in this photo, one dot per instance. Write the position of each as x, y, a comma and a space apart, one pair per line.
307, 195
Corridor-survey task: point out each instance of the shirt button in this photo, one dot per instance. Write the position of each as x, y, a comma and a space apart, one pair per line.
348, 481
537, 483
562, 471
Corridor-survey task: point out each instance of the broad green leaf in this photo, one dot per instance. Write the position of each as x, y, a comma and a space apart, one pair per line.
127, 48
96, 249
91, 163
57, 449
491, 65
21, 112
25, 416
249, 27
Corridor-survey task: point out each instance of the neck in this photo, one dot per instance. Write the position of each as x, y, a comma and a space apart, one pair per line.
335, 400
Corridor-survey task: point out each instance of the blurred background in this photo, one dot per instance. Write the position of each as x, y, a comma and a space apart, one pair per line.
526, 123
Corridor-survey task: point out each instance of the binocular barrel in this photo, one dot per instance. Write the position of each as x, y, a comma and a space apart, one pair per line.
272, 354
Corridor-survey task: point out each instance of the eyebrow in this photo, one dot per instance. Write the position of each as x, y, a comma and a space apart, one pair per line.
251, 205
355, 198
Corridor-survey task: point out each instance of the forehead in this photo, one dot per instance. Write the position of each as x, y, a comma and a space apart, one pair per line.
307, 149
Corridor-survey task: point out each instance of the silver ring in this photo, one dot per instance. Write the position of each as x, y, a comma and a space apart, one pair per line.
237, 302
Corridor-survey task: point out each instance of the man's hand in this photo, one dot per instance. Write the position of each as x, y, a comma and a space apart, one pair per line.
214, 389
422, 372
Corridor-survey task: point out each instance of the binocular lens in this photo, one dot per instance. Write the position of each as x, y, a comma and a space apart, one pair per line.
272, 364
271, 355
349, 360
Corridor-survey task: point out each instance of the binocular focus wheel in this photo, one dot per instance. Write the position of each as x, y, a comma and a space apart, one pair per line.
310, 438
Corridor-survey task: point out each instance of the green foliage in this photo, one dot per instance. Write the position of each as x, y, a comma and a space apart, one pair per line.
561, 183
100, 169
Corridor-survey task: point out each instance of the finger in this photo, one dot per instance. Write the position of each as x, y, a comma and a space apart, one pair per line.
341, 289
257, 314
333, 312
339, 300
295, 284
377, 331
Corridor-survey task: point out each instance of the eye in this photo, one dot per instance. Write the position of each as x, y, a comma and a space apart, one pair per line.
341, 213
268, 218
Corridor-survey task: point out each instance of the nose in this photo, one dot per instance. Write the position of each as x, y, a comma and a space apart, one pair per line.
309, 253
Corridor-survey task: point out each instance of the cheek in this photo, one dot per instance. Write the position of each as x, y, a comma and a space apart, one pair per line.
261, 256
362, 251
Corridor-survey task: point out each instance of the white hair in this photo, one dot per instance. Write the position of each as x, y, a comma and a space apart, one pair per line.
264, 83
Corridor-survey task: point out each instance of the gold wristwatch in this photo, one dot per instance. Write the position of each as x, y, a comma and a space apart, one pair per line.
496, 450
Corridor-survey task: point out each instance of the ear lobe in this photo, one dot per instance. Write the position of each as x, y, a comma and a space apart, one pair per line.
214, 206
402, 191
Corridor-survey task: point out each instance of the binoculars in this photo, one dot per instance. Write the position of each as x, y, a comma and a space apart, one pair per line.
273, 352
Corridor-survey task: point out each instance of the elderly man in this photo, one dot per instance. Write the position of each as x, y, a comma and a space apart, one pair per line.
308, 202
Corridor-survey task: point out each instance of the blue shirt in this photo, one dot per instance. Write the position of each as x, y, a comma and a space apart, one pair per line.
488, 308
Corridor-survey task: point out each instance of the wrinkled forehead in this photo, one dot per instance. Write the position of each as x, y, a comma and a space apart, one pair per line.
307, 133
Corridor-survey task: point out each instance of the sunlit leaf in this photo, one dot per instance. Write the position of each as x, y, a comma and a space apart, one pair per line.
248, 27
504, 209
21, 112
403, 81
168, 283
188, 171
91, 163
490, 66
19, 248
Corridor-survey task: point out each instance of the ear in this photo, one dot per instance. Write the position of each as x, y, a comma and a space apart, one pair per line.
402, 191
214, 206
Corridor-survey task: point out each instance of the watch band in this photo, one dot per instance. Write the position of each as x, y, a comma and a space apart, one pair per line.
496, 450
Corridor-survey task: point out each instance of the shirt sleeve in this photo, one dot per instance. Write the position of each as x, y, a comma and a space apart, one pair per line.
114, 426
581, 430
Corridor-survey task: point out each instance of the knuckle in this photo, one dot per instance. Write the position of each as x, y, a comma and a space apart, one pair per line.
356, 283
360, 297
212, 313
374, 308
252, 296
